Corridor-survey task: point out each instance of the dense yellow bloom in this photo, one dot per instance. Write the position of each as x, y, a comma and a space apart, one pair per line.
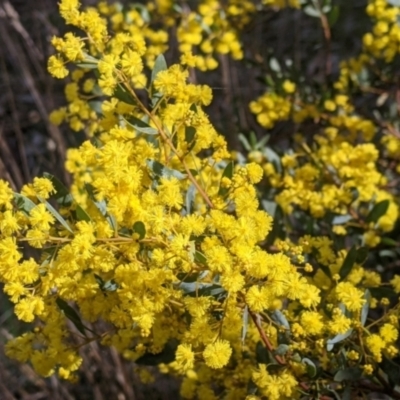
56, 67
375, 345
40, 218
217, 355
43, 187
184, 357
388, 333
351, 297
312, 322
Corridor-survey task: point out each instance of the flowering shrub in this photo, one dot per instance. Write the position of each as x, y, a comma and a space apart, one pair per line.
168, 248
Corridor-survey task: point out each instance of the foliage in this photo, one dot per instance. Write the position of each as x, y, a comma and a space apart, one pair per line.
162, 248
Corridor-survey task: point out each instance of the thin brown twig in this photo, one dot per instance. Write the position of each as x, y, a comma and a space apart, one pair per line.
265, 339
328, 37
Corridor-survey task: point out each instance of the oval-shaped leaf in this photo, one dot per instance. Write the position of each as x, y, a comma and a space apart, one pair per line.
337, 339
348, 374
71, 314
140, 229
56, 215
140, 126
311, 367
348, 263
23, 203
159, 65
123, 95
378, 211
365, 308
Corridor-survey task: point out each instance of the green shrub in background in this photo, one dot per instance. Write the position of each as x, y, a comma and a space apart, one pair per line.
270, 274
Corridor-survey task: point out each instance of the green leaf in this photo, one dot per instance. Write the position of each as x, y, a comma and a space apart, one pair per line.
140, 126
378, 211
245, 323
381, 292
144, 12
392, 370
312, 11
23, 203
123, 95
228, 173
88, 62
389, 241
348, 263
198, 289
96, 106
311, 367
62, 194
65, 198
190, 196
245, 142
159, 65
365, 308
107, 286
82, 215
282, 349
166, 356
280, 318
140, 229
262, 355
71, 314
341, 219
269, 206
348, 374
101, 206
333, 15
274, 65
362, 254
273, 158
337, 339
325, 269
161, 170
200, 258
56, 214
190, 134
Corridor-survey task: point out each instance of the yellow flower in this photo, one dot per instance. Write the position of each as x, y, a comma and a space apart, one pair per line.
312, 323
288, 86
56, 67
351, 297
255, 172
132, 63
6, 194
217, 355
40, 218
184, 357
388, 333
43, 187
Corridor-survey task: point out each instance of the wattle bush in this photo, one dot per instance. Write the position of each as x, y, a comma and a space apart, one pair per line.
268, 274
